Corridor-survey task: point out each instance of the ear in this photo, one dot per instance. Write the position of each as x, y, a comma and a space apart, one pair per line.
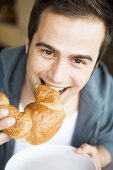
27, 45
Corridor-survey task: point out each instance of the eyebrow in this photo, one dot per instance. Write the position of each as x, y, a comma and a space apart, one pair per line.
82, 57
43, 44
79, 56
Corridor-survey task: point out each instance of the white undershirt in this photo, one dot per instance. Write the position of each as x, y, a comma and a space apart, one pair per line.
63, 136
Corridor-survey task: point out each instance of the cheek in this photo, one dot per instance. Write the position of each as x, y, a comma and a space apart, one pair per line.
38, 64
81, 78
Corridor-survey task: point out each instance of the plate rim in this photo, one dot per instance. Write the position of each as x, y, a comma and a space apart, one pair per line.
42, 146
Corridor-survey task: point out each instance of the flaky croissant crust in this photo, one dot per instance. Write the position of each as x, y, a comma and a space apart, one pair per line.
40, 120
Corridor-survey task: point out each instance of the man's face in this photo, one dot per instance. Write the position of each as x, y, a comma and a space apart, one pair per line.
63, 53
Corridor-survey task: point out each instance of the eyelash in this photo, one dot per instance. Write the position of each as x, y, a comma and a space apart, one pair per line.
50, 53
77, 61
47, 52
80, 61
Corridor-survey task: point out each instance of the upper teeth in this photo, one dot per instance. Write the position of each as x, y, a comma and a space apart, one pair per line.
55, 88
58, 89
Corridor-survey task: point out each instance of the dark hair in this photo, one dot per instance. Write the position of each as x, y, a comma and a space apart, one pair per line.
79, 8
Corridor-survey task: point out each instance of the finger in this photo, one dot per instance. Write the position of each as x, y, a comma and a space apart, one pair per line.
3, 113
7, 122
87, 149
3, 138
91, 151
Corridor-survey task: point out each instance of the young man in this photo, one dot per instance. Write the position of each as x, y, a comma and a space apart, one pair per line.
66, 40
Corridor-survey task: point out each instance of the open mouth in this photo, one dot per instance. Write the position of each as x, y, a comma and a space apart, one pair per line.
60, 90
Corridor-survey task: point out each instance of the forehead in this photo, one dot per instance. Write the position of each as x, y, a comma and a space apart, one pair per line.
47, 17
72, 32
52, 22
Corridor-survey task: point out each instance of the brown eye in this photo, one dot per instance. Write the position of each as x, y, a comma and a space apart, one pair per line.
78, 61
48, 52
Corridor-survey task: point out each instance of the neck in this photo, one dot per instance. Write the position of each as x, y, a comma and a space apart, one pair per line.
72, 106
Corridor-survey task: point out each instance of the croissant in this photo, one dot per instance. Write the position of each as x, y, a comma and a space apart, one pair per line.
40, 120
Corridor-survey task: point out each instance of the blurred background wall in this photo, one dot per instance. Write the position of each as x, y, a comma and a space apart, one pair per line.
14, 15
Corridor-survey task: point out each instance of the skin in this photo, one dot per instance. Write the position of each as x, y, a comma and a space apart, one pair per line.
63, 54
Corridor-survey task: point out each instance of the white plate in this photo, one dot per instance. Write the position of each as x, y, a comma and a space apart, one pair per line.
50, 157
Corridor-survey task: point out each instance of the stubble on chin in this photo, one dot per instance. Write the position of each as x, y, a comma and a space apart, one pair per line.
68, 95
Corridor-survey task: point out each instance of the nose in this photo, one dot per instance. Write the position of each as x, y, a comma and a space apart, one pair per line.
59, 72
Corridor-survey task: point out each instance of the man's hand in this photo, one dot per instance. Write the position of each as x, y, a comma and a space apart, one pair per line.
91, 151
5, 122
99, 154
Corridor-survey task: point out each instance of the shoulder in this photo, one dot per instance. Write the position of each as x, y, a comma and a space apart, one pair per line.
9, 53
100, 85
102, 78
12, 68
9, 57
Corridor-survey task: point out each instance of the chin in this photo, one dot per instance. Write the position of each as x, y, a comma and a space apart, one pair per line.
67, 95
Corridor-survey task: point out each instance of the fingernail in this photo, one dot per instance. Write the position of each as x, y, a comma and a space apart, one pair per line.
11, 121
4, 112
